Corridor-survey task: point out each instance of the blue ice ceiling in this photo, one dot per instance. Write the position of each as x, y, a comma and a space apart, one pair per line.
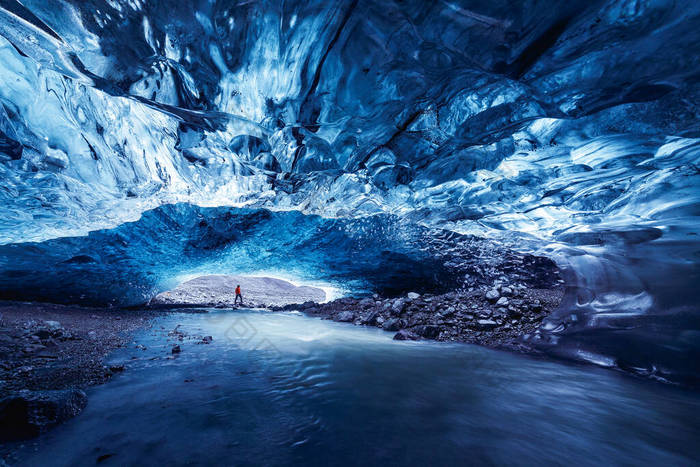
530, 116
567, 128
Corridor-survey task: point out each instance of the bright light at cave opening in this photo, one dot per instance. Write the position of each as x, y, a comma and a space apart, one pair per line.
332, 291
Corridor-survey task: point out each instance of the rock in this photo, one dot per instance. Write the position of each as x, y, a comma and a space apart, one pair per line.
406, 335
104, 457
492, 295
53, 325
116, 368
43, 334
413, 295
392, 324
92, 335
176, 349
397, 306
27, 414
345, 316
370, 318
506, 291
427, 331
207, 339
503, 301
487, 323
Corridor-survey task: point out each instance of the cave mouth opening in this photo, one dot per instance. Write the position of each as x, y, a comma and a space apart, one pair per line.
174, 244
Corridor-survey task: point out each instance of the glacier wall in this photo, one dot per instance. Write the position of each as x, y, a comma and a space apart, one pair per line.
566, 128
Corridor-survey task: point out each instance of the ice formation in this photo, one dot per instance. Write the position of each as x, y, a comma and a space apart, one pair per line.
567, 128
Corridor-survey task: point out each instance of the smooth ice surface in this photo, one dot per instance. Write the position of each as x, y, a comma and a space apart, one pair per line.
569, 128
295, 390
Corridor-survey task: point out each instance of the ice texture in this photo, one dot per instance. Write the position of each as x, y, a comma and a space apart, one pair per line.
569, 128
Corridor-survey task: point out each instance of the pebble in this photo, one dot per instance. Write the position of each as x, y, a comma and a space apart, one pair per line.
492, 295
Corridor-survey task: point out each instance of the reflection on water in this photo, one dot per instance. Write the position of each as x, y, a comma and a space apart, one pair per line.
285, 389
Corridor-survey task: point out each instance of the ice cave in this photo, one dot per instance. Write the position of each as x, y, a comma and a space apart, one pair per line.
510, 187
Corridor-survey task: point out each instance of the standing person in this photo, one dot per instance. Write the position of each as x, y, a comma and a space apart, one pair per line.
238, 295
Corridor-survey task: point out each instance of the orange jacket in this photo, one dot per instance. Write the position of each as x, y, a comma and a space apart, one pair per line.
238, 290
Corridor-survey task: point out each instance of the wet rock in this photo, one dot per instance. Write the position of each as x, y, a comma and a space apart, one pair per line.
27, 414
392, 324
345, 316
104, 457
413, 295
176, 349
207, 340
116, 369
406, 335
370, 318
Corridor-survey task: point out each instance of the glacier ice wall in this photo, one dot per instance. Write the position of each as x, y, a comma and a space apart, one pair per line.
530, 116
129, 264
569, 128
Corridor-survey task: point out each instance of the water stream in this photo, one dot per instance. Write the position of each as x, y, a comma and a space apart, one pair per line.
282, 388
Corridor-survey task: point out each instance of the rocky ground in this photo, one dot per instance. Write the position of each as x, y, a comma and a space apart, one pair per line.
504, 315
48, 355
501, 300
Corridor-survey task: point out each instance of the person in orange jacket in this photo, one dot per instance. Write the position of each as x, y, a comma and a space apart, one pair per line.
238, 295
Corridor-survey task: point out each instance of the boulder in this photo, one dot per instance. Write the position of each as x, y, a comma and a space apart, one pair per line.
413, 295
345, 316
392, 324
27, 414
397, 306
370, 318
406, 335
427, 331
503, 301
